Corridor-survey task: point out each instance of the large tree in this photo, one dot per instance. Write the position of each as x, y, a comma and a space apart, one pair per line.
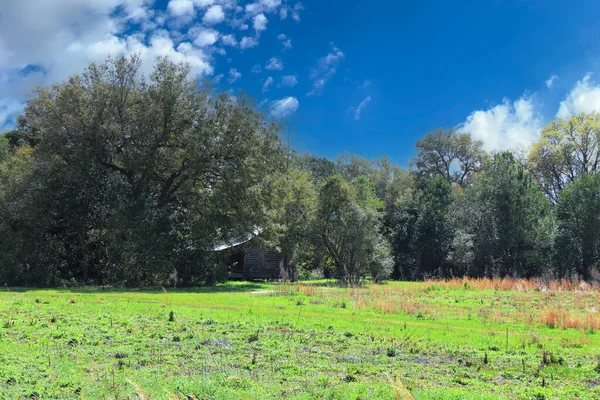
452, 155
503, 223
566, 149
134, 177
348, 225
578, 240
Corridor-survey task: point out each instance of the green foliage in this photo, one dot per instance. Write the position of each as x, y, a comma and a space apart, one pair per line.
133, 178
566, 149
348, 225
578, 240
110, 178
453, 156
504, 225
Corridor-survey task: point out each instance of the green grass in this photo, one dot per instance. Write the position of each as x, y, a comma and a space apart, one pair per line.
266, 341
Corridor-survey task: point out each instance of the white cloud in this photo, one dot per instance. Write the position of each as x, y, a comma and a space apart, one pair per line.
283, 13
61, 37
287, 43
296, 13
550, 81
274, 64
361, 107
268, 82
259, 22
507, 126
213, 15
326, 68
9, 109
285, 107
365, 84
289, 80
206, 37
203, 3
256, 69
180, 8
229, 40
584, 97
217, 79
262, 6
248, 42
234, 75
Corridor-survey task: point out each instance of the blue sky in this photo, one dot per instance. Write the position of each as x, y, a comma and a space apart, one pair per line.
364, 77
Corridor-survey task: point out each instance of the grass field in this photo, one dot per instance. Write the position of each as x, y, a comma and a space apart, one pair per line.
444, 340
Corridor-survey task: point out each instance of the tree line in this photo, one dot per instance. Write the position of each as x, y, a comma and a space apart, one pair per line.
116, 178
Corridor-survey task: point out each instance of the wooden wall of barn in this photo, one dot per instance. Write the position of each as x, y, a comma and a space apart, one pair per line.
262, 264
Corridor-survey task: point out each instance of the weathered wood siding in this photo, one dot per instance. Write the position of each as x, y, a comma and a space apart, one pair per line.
262, 264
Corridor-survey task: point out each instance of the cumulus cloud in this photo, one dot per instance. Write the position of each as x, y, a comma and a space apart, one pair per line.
259, 22
262, 6
256, 69
234, 75
203, 3
326, 68
229, 40
283, 13
361, 107
248, 42
285, 41
217, 79
550, 81
285, 107
206, 37
213, 15
60, 38
9, 109
584, 97
274, 64
296, 13
507, 126
289, 80
180, 8
268, 82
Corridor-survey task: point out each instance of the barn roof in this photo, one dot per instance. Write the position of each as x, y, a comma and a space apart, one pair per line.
238, 240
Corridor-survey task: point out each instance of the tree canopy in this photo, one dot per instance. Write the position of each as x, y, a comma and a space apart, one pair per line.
116, 178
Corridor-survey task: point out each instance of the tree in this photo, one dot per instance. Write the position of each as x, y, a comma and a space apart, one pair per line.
134, 177
507, 219
294, 209
565, 150
451, 155
578, 238
431, 233
348, 225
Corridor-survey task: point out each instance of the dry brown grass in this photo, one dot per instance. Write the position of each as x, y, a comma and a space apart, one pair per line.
563, 318
511, 284
400, 391
307, 290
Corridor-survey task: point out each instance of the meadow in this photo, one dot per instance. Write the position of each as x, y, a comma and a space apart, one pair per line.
458, 339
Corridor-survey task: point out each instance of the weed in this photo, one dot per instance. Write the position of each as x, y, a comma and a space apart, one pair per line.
171, 316
400, 391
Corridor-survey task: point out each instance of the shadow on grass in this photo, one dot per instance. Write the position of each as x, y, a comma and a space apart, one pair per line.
229, 287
